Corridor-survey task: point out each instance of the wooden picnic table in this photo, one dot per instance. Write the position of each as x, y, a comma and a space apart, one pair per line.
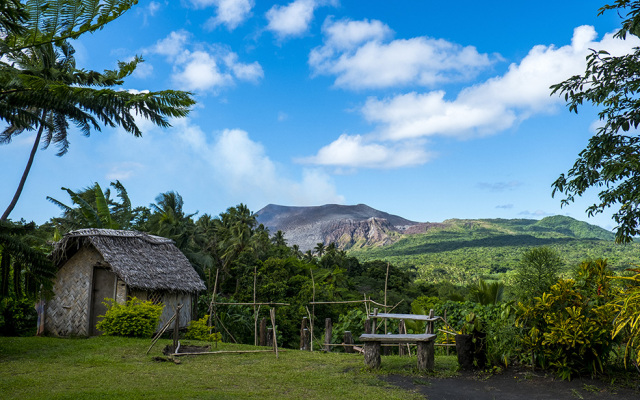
430, 319
425, 342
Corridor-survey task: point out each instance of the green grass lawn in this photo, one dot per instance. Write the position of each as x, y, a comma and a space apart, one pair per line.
112, 367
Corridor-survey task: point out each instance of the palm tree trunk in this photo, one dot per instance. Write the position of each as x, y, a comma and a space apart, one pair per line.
26, 171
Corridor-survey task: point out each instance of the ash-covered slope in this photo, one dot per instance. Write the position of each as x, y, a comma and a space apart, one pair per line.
348, 226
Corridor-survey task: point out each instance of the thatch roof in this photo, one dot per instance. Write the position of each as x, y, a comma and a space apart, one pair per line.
141, 260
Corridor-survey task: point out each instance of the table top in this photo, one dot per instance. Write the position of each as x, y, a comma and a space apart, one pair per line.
414, 317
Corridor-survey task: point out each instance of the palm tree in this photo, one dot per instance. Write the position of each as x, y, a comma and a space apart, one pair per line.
21, 257
487, 293
42, 89
278, 239
319, 249
95, 209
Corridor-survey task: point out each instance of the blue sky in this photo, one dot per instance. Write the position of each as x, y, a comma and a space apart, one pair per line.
428, 110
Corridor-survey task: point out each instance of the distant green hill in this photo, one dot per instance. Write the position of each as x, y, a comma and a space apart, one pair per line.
462, 250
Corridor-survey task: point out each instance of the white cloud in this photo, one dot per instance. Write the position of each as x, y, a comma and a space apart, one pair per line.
535, 214
359, 54
172, 45
149, 11
496, 104
404, 120
143, 70
358, 151
246, 172
199, 71
230, 13
499, 186
247, 72
123, 170
200, 67
292, 19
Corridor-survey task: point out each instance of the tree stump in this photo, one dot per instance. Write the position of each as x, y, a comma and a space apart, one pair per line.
348, 340
303, 326
426, 355
328, 332
270, 337
372, 354
263, 332
466, 351
306, 340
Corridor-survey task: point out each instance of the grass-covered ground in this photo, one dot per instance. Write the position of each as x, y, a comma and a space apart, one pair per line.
112, 367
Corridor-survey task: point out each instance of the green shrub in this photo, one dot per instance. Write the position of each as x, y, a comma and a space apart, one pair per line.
626, 306
17, 317
569, 328
352, 321
199, 330
135, 318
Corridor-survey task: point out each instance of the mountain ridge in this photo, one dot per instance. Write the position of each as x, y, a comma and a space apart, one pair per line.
361, 226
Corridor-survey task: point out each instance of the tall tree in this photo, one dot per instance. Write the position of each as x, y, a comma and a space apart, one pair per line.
610, 162
41, 88
93, 208
23, 266
537, 272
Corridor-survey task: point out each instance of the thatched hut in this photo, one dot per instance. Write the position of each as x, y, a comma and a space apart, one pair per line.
94, 264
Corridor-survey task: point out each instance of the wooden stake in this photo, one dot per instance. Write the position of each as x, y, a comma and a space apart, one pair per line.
303, 328
226, 352
213, 300
273, 323
313, 306
348, 340
263, 332
386, 280
255, 314
157, 336
328, 331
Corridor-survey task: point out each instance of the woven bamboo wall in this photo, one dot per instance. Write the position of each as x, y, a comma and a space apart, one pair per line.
121, 292
171, 301
67, 312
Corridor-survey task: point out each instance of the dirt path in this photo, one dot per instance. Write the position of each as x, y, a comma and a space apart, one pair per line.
512, 385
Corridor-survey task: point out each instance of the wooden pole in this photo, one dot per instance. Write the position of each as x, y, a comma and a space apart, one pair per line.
213, 300
374, 324
157, 336
275, 334
224, 352
270, 337
263, 332
386, 281
348, 340
430, 323
303, 328
255, 314
446, 337
328, 331
176, 328
306, 339
313, 306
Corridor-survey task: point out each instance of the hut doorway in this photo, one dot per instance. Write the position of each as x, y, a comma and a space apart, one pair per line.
103, 287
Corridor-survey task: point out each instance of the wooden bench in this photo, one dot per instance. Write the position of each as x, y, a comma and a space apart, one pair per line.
425, 342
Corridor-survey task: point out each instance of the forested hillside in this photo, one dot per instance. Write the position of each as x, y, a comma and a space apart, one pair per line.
463, 250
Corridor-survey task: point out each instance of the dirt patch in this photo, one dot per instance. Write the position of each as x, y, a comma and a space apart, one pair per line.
169, 349
512, 385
